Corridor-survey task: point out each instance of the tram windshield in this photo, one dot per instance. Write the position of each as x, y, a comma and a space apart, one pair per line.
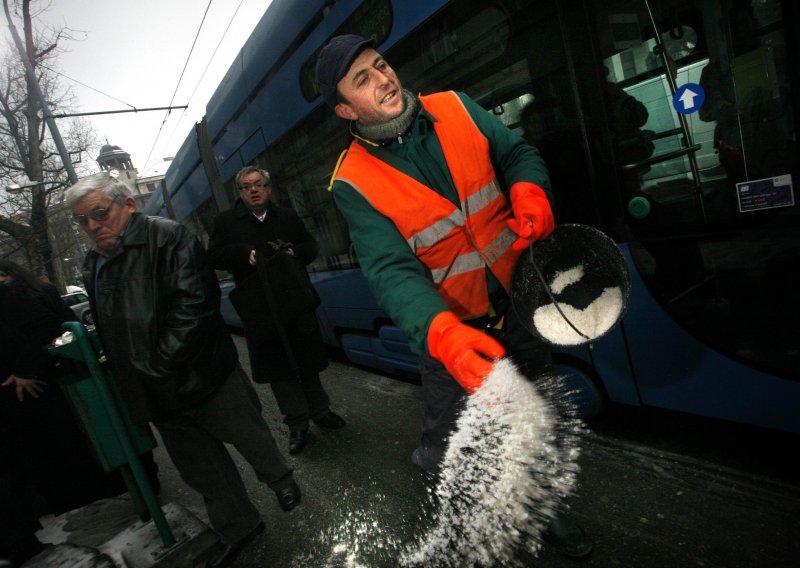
709, 192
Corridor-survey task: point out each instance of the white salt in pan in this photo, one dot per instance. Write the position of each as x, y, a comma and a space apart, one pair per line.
593, 321
509, 463
564, 278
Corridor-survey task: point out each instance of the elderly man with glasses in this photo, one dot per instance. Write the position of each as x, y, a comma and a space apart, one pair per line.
286, 350
156, 305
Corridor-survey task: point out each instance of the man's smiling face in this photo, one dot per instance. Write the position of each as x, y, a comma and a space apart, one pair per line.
371, 92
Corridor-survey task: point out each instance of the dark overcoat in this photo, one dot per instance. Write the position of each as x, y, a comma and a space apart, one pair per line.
236, 232
30, 320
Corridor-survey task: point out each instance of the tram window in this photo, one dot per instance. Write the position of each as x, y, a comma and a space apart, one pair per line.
660, 134
679, 43
499, 92
449, 47
300, 167
201, 221
471, 44
641, 118
231, 190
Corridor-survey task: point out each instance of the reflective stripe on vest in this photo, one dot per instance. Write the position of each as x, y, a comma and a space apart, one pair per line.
456, 244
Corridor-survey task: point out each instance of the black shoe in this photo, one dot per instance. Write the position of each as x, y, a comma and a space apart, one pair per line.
288, 497
567, 537
297, 441
331, 421
227, 553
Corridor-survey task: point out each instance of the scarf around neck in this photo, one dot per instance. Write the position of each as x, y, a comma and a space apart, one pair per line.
397, 126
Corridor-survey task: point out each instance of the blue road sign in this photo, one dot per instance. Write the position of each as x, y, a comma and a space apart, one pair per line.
688, 98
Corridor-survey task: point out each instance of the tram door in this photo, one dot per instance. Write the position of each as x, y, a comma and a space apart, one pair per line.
699, 115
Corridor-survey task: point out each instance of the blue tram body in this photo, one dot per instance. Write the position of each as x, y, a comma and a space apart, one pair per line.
711, 329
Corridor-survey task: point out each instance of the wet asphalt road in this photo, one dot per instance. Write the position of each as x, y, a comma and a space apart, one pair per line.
654, 489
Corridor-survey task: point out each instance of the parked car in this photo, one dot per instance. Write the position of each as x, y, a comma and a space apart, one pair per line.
79, 304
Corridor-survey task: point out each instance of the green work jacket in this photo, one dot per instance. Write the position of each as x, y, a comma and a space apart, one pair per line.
395, 275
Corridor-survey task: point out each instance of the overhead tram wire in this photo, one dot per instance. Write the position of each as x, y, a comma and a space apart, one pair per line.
87, 86
186, 64
210, 59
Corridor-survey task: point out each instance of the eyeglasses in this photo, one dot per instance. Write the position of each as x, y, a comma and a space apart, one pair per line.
256, 185
94, 215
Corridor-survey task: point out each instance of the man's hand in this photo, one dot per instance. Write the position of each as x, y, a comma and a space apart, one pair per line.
466, 353
533, 217
281, 246
33, 387
252, 259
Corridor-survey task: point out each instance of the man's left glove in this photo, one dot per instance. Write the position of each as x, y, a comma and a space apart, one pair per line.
533, 217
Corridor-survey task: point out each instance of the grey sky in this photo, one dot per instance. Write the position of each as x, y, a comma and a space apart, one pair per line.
135, 51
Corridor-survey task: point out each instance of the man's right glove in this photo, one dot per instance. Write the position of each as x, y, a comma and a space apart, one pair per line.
463, 350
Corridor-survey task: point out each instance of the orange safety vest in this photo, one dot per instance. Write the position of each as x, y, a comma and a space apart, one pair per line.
456, 244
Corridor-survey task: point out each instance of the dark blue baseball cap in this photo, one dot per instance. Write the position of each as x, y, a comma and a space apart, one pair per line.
334, 62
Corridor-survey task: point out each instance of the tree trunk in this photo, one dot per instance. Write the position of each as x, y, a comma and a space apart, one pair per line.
25, 148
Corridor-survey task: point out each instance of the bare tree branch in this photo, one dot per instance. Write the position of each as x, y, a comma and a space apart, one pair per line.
27, 151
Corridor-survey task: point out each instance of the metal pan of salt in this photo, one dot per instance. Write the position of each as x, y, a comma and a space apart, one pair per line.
573, 287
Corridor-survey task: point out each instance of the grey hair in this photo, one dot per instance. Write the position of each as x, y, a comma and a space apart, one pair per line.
249, 170
103, 182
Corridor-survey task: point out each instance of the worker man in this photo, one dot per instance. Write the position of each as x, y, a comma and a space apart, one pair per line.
440, 199
155, 301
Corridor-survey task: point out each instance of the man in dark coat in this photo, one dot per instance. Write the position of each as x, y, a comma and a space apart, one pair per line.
289, 359
155, 301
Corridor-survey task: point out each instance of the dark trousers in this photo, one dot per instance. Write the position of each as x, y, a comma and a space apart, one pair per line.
19, 513
444, 398
42, 436
195, 439
300, 400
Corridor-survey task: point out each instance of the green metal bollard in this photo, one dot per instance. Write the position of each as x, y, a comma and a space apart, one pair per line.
118, 443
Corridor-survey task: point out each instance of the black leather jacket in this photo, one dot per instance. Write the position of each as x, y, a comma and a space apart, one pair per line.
156, 307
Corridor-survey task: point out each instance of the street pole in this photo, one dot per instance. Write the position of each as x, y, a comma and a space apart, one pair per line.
48, 117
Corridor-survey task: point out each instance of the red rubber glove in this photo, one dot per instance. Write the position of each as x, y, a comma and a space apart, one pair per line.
464, 351
533, 217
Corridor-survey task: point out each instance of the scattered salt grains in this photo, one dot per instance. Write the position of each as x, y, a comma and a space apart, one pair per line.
593, 321
509, 463
358, 540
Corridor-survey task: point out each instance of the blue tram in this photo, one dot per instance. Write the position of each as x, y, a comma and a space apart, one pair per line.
671, 125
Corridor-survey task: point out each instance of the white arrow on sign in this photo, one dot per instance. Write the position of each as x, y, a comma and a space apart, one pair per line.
687, 99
